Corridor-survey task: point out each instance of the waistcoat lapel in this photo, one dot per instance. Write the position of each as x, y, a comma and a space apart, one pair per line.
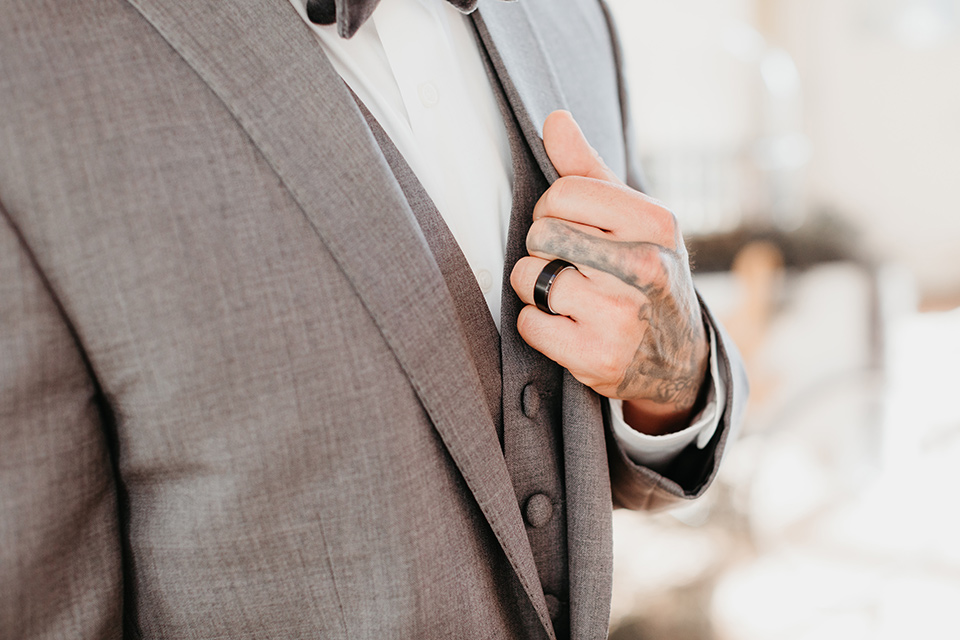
269, 71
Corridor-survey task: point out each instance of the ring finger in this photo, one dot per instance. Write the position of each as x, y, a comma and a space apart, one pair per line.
568, 295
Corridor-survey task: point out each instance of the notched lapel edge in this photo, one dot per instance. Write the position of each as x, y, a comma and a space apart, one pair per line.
283, 91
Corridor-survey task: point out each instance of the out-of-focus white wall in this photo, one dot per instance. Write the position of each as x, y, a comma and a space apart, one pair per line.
827, 519
882, 80
686, 89
880, 106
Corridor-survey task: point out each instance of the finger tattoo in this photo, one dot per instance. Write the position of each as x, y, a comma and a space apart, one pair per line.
667, 366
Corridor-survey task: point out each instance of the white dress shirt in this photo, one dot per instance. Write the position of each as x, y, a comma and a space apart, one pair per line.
416, 66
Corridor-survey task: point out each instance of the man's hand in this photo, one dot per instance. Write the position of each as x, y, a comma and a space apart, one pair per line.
629, 324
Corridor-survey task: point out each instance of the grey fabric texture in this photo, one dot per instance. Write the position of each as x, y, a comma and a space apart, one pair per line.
532, 387
236, 396
60, 567
480, 332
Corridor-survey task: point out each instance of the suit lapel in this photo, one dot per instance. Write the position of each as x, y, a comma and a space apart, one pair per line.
533, 91
270, 72
524, 69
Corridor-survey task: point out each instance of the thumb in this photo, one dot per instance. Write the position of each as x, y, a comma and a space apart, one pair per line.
569, 150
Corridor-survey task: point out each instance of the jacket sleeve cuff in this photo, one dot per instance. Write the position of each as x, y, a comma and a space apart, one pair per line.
657, 452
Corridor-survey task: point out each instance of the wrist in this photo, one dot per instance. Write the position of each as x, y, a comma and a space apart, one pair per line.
660, 418
654, 419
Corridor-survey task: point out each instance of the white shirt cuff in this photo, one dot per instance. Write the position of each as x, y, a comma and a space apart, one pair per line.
657, 452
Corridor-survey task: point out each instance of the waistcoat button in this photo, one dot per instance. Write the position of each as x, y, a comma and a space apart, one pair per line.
530, 400
539, 510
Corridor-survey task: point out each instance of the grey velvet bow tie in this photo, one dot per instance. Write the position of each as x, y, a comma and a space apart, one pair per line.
351, 14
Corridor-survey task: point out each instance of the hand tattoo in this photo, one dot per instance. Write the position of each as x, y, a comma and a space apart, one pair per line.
669, 364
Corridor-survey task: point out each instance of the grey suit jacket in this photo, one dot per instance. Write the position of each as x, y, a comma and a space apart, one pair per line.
234, 398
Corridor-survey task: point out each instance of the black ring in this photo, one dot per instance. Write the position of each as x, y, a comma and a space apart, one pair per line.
541, 290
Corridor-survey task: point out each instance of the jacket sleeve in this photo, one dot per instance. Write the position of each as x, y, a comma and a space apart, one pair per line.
692, 471
60, 561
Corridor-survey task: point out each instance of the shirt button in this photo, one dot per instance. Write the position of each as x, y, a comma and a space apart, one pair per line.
530, 401
485, 280
538, 511
428, 93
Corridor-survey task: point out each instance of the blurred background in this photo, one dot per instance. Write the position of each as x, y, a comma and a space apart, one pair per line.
811, 149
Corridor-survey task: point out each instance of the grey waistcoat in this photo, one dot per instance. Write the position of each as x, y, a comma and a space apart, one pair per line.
522, 386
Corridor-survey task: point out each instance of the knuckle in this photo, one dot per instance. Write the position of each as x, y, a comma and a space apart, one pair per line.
536, 236
567, 191
524, 274
553, 197
558, 190
517, 275
547, 234
665, 226
645, 264
526, 322
673, 224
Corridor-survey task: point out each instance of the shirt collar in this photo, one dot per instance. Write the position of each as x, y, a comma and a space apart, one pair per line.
351, 14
